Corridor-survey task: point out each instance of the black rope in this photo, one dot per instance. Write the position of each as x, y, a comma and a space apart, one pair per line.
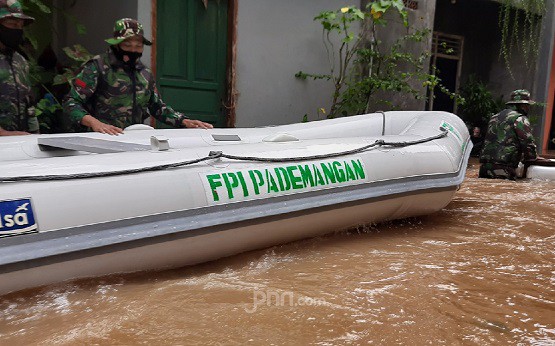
216, 155
104, 174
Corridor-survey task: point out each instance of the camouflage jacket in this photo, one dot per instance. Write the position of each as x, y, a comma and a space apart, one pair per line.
508, 139
112, 92
16, 113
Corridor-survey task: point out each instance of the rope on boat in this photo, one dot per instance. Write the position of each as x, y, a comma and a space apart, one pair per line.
383, 122
217, 155
379, 142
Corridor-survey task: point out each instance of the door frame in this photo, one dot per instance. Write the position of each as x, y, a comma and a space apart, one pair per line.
550, 109
231, 92
455, 43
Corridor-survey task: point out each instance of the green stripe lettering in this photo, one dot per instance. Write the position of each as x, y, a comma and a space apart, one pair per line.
284, 181
359, 170
296, 182
318, 176
350, 175
230, 184
339, 172
257, 180
214, 181
243, 184
328, 172
272, 186
306, 175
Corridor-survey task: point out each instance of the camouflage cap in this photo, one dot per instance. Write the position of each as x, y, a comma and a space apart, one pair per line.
126, 28
12, 9
520, 96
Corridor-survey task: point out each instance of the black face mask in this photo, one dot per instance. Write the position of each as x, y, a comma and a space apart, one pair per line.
11, 38
133, 56
522, 110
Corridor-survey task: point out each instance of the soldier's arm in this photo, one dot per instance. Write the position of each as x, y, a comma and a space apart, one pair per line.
166, 114
163, 112
83, 87
526, 139
12, 133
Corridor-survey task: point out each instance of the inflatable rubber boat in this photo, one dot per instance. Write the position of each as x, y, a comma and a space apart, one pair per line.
88, 204
543, 170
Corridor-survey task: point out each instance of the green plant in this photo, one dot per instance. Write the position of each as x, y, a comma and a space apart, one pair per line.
363, 65
339, 22
50, 81
386, 70
49, 109
519, 22
41, 33
479, 104
78, 55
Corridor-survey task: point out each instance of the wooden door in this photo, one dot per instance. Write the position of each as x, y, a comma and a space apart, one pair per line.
191, 50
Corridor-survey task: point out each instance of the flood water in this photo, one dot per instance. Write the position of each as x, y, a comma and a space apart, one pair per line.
481, 271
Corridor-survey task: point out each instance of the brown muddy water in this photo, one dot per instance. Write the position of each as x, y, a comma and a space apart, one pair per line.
479, 272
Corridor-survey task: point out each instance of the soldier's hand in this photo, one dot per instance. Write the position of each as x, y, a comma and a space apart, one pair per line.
98, 126
196, 124
107, 129
13, 133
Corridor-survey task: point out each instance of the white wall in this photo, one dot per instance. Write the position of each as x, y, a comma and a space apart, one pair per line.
276, 39
144, 16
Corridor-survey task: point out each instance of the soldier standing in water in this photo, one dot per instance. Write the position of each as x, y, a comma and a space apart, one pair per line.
509, 139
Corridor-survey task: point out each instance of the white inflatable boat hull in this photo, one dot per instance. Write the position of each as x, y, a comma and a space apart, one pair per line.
69, 214
541, 172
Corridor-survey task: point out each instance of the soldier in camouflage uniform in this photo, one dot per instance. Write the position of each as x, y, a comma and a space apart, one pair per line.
115, 90
16, 113
508, 140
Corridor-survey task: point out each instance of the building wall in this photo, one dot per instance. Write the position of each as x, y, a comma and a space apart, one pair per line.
421, 18
275, 40
481, 55
482, 39
144, 15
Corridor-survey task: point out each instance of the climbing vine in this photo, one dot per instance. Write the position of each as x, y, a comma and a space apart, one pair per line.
50, 79
520, 25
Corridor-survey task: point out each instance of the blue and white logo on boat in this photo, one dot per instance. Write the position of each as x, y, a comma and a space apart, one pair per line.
16, 216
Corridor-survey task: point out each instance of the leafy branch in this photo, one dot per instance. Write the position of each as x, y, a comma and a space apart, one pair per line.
519, 22
50, 79
362, 65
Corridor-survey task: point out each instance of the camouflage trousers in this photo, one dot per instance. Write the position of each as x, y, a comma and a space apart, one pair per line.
497, 171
